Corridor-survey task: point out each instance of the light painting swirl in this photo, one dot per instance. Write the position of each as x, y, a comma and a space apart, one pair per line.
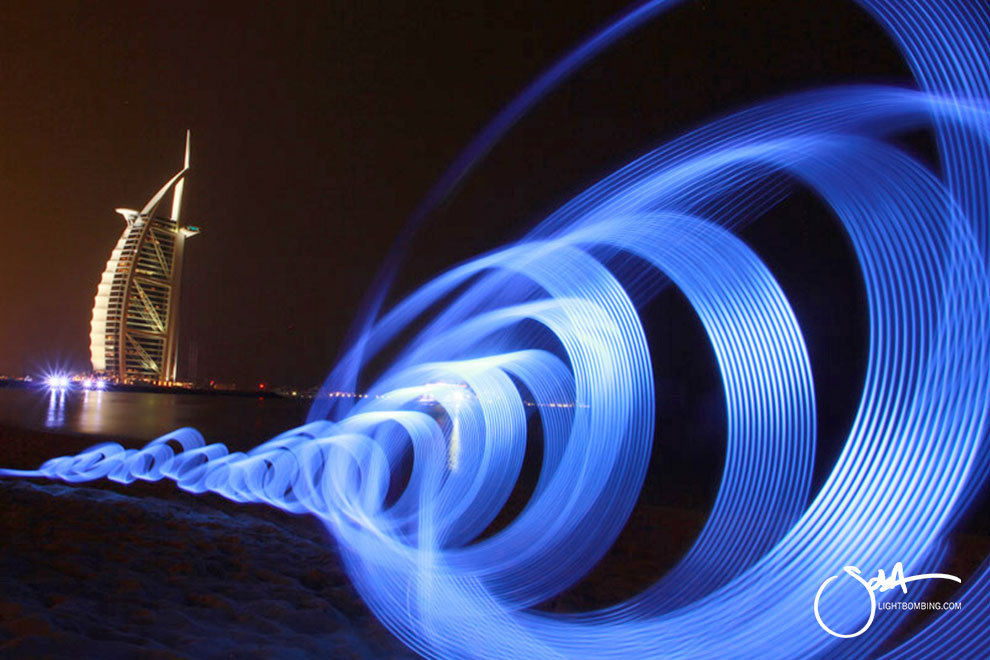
547, 327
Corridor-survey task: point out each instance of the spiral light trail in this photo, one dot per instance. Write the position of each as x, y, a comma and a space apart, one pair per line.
546, 326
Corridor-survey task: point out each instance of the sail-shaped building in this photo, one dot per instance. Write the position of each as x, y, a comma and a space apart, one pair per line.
135, 327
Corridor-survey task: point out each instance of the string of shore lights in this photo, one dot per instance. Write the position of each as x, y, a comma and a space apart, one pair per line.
551, 319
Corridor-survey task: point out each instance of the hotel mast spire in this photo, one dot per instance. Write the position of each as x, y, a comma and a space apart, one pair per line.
177, 195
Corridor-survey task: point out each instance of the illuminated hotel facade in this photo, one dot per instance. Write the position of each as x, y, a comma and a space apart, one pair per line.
135, 326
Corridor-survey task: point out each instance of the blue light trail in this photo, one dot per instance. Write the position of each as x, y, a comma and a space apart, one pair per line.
546, 326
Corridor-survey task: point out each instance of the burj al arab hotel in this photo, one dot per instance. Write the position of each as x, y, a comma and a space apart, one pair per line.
135, 328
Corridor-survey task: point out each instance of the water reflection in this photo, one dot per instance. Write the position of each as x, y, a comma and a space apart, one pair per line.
91, 413
56, 409
242, 422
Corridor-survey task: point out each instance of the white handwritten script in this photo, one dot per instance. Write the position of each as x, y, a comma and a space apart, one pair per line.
880, 583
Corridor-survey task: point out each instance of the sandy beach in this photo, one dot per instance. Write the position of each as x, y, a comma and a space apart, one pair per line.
104, 570
108, 571
101, 570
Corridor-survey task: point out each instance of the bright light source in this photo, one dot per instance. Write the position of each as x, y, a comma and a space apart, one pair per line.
100, 384
57, 381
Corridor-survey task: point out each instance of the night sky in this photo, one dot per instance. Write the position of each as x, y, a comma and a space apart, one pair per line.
317, 126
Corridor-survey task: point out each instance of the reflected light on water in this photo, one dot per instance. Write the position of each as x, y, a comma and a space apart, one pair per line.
55, 418
142, 416
91, 412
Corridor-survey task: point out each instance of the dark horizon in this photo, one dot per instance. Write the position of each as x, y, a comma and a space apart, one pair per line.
315, 131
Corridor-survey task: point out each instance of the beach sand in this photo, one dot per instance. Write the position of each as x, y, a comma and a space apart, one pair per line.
102, 570
105, 570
